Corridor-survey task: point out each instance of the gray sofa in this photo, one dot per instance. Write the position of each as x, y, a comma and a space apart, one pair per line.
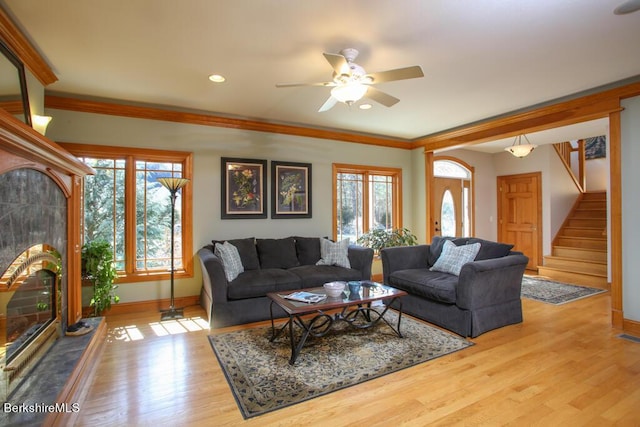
270, 265
485, 295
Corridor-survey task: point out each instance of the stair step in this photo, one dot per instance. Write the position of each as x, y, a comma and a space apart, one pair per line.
574, 264
595, 195
582, 242
584, 254
587, 222
590, 213
593, 204
583, 232
574, 277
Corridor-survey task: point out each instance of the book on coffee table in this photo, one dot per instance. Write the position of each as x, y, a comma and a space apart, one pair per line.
308, 297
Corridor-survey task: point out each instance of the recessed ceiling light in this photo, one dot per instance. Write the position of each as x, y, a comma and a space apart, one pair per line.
365, 106
217, 78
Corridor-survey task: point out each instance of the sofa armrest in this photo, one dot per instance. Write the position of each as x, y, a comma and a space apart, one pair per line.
403, 258
490, 282
361, 259
213, 278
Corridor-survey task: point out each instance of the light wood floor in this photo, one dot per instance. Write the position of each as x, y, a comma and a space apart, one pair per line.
564, 366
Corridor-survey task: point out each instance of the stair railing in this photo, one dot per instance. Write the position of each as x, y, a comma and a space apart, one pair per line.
564, 150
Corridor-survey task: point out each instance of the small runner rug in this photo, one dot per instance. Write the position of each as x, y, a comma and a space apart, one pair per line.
555, 292
262, 380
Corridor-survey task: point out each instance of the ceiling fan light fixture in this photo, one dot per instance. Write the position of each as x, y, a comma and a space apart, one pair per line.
519, 149
349, 92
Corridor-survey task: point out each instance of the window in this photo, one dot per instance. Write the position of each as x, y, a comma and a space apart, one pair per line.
126, 206
366, 197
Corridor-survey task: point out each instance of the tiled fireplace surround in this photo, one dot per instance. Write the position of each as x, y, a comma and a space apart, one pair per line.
40, 204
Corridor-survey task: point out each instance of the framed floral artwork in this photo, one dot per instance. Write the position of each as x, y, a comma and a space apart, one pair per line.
244, 188
290, 190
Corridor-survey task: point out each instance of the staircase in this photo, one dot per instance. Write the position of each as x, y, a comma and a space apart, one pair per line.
579, 251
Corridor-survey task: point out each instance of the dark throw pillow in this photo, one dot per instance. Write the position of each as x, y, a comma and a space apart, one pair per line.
277, 253
247, 250
490, 250
308, 250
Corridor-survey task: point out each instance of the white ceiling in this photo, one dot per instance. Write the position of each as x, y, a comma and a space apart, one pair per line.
480, 58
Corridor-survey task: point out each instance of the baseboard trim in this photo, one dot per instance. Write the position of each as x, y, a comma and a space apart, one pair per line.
151, 305
631, 327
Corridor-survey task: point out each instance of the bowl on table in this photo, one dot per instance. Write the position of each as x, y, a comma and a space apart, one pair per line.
334, 289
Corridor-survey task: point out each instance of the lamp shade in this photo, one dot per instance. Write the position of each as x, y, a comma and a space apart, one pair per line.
519, 149
40, 123
173, 184
349, 92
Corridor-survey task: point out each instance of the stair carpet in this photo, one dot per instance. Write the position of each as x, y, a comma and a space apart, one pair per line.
579, 251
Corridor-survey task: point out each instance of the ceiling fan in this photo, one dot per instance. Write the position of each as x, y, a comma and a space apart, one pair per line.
351, 83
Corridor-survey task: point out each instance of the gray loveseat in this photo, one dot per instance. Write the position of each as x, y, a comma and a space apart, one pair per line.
485, 295
270, 265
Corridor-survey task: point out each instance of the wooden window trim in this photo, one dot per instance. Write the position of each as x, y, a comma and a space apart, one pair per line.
130, 155
367, 171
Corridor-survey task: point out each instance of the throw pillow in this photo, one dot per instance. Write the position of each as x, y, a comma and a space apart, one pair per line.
454, 257
230, 260
490, 250
435, 248
247, 250
308, 250
277, 253
334, 253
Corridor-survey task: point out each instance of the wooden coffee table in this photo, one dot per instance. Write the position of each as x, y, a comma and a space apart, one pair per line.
358, 310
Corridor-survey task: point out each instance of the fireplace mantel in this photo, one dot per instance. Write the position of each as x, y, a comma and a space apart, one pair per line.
23, 147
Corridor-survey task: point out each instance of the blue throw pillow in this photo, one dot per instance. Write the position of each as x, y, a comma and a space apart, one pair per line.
454, 257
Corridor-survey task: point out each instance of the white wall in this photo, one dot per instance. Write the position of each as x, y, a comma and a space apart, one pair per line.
630, 127
418, 196
209, 144
597, 173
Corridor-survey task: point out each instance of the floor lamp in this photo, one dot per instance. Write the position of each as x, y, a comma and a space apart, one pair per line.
173, 185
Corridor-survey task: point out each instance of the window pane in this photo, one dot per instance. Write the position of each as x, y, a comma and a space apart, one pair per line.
381, 202
448, 215
349, 206
446, 168
104, 205
153, 218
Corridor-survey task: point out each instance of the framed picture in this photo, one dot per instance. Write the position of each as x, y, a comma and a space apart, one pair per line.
290, 190
596, 147
244, 188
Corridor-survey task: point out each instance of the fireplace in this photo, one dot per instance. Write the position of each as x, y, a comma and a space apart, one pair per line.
33, 309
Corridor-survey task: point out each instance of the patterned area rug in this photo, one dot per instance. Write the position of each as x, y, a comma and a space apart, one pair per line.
555, 292
262, 380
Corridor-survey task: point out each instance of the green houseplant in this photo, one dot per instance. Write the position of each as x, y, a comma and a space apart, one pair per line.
377, 239
99, 268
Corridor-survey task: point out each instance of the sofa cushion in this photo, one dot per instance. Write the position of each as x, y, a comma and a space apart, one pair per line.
454, 257
308, 250
489, 249
317, 275
435, 248
334, 253
230, 257
257, 283
247, 250
277, 253
425, 283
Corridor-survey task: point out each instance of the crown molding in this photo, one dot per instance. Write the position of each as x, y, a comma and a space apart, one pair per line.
23, 49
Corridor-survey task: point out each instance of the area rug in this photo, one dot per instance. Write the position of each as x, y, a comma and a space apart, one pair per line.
555, 293
262, 380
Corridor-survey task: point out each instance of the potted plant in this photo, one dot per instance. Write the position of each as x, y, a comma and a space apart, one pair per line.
99, 268
377, 239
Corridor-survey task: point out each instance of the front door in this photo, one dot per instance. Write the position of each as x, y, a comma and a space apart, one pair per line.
520, 214
448, 213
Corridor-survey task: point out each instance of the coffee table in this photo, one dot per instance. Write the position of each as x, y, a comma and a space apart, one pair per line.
357, 309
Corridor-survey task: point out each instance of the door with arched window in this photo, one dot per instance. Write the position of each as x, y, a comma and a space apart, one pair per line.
452, 214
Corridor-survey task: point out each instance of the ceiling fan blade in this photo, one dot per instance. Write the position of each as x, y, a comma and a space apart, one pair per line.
338, 63
397, 74
381, 97
329, 103
324, 84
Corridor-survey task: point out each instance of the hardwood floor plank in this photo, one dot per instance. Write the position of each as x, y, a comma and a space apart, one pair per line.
564, 365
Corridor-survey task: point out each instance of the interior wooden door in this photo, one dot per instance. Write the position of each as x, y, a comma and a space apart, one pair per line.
520, 214
448, 193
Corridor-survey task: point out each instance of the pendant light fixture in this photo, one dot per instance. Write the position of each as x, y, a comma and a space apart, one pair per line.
519, 149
